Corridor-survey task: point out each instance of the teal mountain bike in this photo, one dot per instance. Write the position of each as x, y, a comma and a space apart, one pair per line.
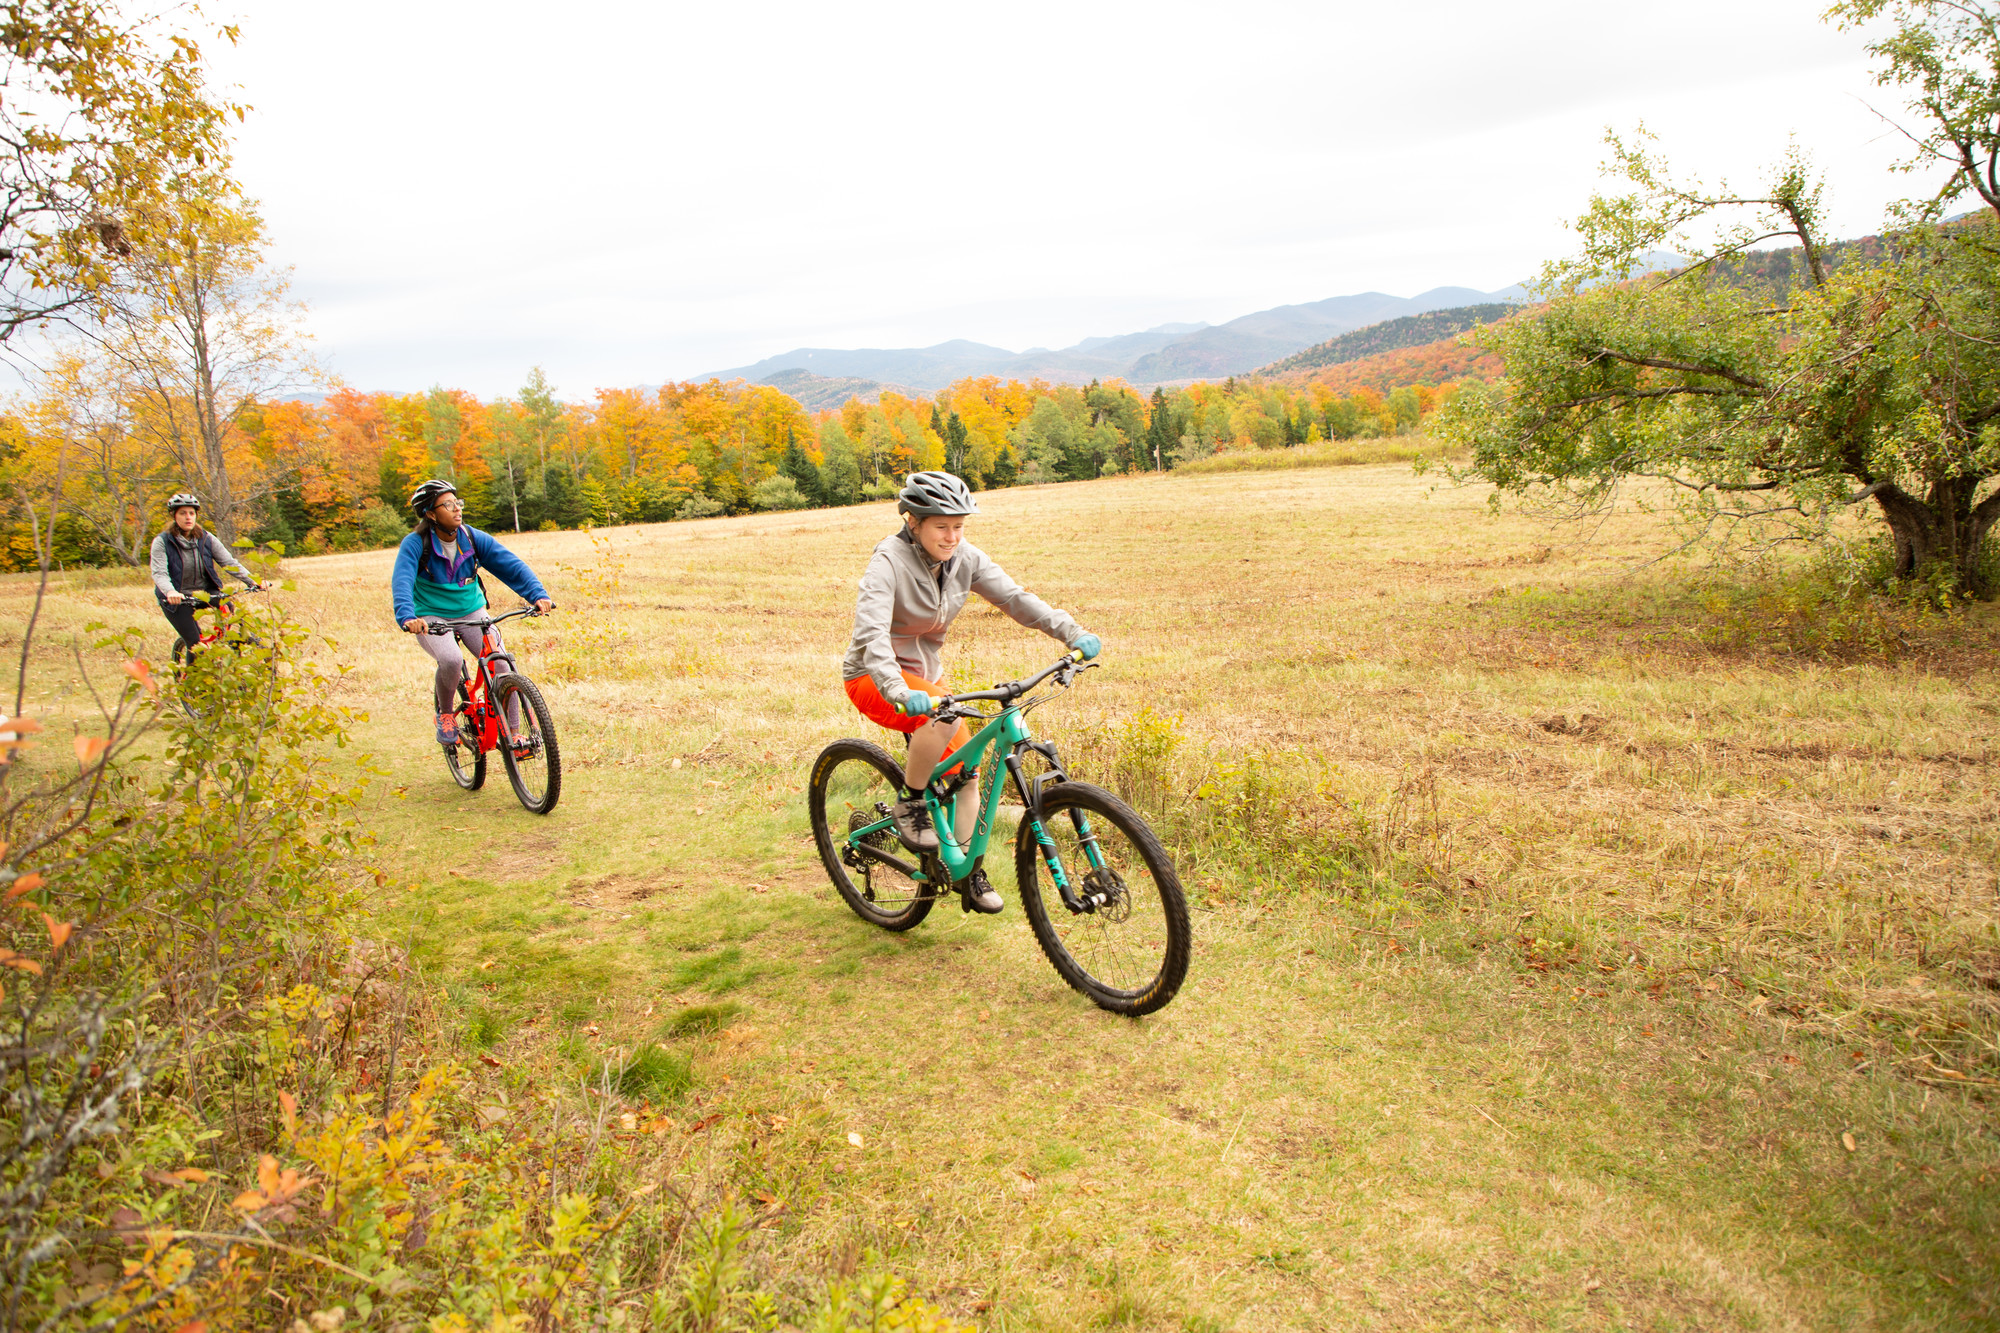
1099, 889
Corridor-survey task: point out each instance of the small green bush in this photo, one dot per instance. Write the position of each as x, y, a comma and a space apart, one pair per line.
656, 1074
699, 506
382, 526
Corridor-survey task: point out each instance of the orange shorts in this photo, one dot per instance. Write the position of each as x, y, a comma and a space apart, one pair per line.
879, 710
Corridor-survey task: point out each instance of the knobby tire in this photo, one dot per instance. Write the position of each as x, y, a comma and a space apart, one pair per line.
830, 829
1148, 875
535, 717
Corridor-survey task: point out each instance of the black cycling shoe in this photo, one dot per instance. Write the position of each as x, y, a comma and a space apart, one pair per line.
913, 824
977, 894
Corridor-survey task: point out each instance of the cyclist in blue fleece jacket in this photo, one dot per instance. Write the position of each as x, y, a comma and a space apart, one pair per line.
437, 577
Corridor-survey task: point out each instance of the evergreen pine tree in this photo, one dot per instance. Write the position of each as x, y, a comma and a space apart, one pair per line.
796, 465
954, 444
1160, 436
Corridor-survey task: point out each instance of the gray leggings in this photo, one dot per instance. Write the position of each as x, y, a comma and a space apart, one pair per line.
451, 666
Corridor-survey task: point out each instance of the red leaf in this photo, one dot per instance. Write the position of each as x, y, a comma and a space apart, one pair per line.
139, 671
88, 748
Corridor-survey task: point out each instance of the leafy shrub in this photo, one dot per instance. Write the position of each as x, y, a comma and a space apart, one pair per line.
151, 909
778, 493
699, 506
382, 526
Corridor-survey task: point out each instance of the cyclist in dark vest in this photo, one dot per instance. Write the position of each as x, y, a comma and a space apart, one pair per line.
186, 558
437, 577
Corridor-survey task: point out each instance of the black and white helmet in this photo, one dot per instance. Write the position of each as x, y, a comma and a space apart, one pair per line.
183, 500
429, 494
929, 494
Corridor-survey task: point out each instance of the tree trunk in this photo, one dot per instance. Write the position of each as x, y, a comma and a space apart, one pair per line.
1944, 528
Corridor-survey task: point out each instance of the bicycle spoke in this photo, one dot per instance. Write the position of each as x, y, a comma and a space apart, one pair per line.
854, 786
1128, 949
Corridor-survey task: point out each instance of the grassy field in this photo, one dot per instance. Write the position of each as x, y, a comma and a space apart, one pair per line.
1561, 961
1326, 453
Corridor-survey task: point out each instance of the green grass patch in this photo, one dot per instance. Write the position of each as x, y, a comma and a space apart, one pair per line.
657, 1074
699, 1020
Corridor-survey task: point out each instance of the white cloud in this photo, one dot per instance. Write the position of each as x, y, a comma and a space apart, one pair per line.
624, 193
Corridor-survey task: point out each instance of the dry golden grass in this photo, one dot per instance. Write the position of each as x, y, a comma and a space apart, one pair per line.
1326, 453
1544, 953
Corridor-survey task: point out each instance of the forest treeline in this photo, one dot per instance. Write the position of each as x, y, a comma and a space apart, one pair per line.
336, 474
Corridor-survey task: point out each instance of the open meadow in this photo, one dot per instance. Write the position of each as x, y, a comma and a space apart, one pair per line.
1576, 944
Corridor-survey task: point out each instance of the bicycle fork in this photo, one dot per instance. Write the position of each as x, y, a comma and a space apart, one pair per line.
1031, 800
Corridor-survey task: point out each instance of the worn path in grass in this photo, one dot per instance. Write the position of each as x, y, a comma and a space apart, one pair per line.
1574, 1044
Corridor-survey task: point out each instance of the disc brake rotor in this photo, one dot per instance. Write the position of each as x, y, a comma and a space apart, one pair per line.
1117, 899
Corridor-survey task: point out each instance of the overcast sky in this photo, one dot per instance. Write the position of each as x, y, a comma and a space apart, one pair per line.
627, 193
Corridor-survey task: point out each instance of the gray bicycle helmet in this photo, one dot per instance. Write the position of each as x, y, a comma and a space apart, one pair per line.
183, 500
930, 494
429, 494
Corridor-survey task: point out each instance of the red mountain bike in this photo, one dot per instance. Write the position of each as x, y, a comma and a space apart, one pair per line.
501, 709
223, 603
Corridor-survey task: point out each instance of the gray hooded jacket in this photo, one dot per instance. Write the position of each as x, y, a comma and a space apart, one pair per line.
908, 601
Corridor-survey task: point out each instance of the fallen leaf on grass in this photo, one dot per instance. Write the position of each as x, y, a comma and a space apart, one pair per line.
1847, 1140
489, 1060
628, 1122
703, 1123
492, 1115
854, 1138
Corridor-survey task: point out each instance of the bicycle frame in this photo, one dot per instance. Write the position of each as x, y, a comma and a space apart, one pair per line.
224, 606
1008, 731
493, 728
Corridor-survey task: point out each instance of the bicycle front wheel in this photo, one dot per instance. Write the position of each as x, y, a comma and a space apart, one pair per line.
1130, 953
528, 743
853, 786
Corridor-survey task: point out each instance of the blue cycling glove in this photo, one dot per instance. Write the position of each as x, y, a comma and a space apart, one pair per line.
915, 704
1088, 645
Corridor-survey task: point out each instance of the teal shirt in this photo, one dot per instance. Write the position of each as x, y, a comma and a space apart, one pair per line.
445, 601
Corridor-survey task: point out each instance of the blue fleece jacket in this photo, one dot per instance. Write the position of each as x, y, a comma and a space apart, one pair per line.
486, 554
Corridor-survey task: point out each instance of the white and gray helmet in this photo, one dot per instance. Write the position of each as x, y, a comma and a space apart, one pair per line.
183, 500
930, 494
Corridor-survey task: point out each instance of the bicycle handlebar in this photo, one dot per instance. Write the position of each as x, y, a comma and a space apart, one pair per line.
217, 598
1008, 693
442, 627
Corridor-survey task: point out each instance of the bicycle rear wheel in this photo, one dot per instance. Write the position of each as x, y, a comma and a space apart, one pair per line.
1130, 955
465, 761
854, 784
534, 761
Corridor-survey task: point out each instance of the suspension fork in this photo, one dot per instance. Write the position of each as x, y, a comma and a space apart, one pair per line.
1092, 849
1031, 801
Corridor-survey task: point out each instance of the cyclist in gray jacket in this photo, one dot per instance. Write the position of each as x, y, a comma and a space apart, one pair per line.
186, 557
916, 584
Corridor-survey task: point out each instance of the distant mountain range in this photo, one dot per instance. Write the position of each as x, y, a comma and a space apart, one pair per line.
1391, 335
1165, 354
